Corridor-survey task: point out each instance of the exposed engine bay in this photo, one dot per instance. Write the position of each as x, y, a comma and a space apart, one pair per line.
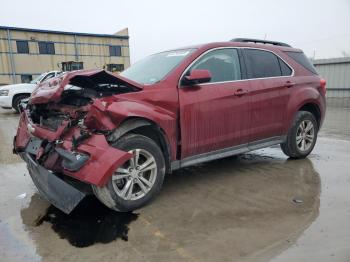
67, 134
76, 99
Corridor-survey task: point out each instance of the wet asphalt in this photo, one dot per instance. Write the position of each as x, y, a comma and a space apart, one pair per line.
258, 206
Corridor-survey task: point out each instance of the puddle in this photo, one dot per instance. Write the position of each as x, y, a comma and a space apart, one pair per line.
89, 223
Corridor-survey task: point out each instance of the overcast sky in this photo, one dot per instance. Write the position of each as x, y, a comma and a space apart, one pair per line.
320, 28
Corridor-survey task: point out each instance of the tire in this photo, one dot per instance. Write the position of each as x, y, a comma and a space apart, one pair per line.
113, 194
299, 143
17, 100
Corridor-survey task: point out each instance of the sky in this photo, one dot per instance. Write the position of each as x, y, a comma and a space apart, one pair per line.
321, 28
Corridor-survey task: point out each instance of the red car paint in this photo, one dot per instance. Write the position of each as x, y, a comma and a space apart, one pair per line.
194, 120
104, 159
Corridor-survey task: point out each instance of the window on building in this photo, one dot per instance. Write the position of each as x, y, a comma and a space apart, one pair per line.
262, 64
47, 48
223, 65
115, 50
26, 78
22, 47
115, 67
72, 65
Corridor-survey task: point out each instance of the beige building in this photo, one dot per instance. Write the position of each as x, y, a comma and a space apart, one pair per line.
26, 53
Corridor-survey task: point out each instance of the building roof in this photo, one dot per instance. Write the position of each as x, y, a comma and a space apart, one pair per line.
61, 32
338, 60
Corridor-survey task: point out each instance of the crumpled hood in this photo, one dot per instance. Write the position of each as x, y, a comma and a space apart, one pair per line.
51, 90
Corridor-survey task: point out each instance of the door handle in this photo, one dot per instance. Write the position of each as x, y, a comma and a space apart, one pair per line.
289, 84
240, 92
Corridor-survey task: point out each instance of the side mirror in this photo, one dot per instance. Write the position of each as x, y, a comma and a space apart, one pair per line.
197, 76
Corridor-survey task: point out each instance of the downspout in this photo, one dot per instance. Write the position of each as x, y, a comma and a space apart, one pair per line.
13, 68
76, 49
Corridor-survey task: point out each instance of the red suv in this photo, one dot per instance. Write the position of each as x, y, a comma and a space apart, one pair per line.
116, 136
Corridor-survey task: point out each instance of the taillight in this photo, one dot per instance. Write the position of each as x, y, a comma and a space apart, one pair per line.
323, 86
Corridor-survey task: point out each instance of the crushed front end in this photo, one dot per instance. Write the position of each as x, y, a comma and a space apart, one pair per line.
63, 136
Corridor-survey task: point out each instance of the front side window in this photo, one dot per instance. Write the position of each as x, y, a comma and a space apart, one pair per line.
223, 65
22, 47
46, 48
154, 68
38, 79
48, 76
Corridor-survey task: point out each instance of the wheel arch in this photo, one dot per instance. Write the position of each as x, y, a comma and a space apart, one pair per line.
307, 99
148, 128
17, 95
314, 109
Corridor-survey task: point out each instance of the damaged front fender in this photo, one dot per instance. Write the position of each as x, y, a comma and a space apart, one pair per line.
103, 160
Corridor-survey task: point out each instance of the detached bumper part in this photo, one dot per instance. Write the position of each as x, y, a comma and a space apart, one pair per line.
58, 192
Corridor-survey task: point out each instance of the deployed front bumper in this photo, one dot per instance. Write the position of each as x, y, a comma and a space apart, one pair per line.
58, 192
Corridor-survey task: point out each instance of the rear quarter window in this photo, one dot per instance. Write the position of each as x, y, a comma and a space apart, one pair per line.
301, 59
286, 70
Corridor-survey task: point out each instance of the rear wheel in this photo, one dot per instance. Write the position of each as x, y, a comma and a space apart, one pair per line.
138, 180
17, 100
302, 137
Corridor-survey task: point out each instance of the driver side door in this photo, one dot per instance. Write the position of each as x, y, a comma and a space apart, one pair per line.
215, 115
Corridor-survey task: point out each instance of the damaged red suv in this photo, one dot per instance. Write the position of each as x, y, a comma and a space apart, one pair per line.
116, 136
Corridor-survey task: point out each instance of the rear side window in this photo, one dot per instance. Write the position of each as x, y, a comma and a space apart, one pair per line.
286, 70
301, 59
261, 64
223, 65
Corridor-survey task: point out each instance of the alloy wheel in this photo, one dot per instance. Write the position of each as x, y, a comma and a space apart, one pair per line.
305, 135
136, 177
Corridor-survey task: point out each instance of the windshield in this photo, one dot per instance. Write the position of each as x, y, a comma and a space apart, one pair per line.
37, 79
154, 68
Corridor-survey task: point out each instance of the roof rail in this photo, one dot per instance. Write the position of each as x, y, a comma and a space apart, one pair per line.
251, 40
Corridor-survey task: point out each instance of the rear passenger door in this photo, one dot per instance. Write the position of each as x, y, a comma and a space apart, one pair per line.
270, 80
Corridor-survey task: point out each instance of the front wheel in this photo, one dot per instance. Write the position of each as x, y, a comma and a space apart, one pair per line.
302, 137
138, 180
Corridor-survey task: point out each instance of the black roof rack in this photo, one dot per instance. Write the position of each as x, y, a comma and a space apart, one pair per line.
251, 40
